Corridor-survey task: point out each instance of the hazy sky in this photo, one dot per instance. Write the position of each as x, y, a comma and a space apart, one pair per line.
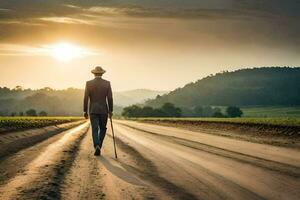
155, 44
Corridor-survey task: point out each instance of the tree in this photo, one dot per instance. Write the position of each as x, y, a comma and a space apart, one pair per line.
43, 113
167, 110
198, 111
158, 113
132, 111
170, 110
233, 111
21, 114
31, 112
207, 111
216, 109
47, 89
147, 111
218, 114
18, 88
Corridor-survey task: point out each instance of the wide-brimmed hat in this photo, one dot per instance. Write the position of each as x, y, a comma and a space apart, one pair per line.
98, 70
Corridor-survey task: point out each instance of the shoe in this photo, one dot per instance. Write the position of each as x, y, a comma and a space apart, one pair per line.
97, 151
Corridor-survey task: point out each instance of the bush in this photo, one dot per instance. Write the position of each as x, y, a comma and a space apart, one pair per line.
167, 110
170, 110
233, 111
132, 111
31, 112
218, 114
43, 114
207, 111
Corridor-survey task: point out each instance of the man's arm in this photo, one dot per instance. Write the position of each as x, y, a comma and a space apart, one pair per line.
110, 99
85, 101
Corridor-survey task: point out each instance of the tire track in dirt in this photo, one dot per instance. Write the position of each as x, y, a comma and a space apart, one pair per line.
12, 142
210, 187
102, 177
255, 161
83, 180
15, 163
42, 177
146, 170
269, 152
229, 177
281, 168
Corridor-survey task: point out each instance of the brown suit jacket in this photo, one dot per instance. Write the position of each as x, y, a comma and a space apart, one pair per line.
99, 95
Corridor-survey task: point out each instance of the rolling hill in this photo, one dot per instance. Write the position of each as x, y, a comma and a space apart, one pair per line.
130, 97
267, 86
62, 102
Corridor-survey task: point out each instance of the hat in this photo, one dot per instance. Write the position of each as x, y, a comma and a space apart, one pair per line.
98, 70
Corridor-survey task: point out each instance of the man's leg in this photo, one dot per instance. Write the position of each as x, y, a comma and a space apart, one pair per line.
102, 125
95, 128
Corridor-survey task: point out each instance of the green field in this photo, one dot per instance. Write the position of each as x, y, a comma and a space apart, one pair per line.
268, 111
263, 121
21, 123
271, 111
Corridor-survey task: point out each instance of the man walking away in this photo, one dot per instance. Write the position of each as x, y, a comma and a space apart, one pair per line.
98, 94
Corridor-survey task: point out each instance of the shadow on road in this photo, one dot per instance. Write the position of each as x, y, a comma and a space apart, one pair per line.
117, 170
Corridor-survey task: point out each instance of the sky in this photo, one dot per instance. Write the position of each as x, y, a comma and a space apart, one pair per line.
154, 44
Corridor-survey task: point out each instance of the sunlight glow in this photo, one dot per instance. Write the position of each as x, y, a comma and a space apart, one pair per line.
66, 52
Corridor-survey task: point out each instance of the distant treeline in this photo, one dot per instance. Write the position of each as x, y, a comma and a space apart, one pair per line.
31, 112
66, 102
275, 86
169, 110
53, 102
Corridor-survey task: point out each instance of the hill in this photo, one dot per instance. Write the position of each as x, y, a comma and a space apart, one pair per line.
62, 102
267, 86
130, 97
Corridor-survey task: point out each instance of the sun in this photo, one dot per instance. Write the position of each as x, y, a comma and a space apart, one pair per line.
65, 51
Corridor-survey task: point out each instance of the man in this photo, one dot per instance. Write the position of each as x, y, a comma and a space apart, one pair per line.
99, 96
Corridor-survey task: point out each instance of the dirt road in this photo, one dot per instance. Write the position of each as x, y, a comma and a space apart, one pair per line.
155, 162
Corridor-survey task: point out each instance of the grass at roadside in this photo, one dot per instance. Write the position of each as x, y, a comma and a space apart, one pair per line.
21, 123
263, 121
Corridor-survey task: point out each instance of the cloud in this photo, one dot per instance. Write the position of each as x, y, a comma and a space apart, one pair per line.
85, 12
207, 9
228, 22
72, 6
66, 20
4, 10
41, 50
17, 50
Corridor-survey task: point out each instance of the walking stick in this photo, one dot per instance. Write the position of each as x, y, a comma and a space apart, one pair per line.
113, 134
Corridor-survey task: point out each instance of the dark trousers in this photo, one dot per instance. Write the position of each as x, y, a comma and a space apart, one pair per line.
98, 122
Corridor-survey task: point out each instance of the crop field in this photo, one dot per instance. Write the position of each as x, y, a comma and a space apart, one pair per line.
17, 123
268, 111
271, 111
280, 121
